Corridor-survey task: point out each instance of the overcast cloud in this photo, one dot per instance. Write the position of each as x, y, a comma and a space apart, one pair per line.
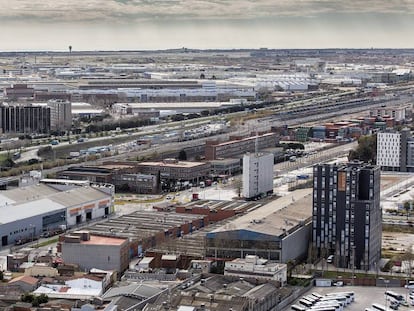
125, 10
162, 24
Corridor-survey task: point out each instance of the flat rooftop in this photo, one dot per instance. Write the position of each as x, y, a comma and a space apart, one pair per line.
180, 164
276, 217
103, 240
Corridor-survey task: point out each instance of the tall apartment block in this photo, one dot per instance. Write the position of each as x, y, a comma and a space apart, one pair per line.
392, 150
60, 115
347, 218
257, 174
24, 119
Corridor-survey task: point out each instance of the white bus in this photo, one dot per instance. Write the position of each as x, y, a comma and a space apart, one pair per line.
351, 294
337, 306
311, 298
348, 297
317, 295
341, 299
305, 303
379, 307
326, 308
394, 295
297, 308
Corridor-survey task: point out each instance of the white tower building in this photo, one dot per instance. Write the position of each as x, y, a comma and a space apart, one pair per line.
392, 149
257, 174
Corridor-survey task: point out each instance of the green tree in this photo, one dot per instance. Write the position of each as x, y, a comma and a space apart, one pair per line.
182, 155
366, 150
27, 297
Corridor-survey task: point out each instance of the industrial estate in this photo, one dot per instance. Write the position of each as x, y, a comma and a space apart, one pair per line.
192, 180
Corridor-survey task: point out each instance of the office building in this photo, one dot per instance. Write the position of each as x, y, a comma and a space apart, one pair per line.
392, 150
257, 174
60, 115
24, 119
347, 218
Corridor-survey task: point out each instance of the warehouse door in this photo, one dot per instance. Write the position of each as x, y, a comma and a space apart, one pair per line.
4, 240
88, 216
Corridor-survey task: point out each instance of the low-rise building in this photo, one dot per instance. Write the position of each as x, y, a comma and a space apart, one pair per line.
93, 251
25, 282
254, 267
28, 212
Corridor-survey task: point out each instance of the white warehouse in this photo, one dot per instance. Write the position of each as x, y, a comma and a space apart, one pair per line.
257, 174
27, 212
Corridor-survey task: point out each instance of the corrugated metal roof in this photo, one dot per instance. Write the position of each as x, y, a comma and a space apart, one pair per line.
275, 217
11, 213
24, 194
78, 195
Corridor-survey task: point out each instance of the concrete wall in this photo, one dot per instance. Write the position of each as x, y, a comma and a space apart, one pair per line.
87, 256
296, 244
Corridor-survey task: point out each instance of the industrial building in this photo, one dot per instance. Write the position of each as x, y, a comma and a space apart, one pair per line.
278, 231
238, 146
146, 229
254, 267
93, 251
123, 176
27, 212
398, 113
347, 217
218, 292
257, 175
172, 170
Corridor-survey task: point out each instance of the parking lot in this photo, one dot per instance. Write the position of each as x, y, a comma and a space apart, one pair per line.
365, 296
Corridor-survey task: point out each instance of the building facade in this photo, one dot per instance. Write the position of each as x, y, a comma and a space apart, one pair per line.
92, 251
24, 119
254, 267
60, 115
347, 218
257, 174
392, 150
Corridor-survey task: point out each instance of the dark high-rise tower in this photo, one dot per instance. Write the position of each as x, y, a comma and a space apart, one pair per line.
347, 218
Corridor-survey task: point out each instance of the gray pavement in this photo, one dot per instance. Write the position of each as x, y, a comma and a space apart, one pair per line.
365, 296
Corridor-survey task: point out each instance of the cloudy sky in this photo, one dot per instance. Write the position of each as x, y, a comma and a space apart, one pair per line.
162, 24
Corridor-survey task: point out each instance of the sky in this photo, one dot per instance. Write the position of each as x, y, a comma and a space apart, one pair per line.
203, 24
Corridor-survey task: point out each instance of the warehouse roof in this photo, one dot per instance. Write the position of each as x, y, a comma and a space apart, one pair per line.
11, 213
276, 217
26, 202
